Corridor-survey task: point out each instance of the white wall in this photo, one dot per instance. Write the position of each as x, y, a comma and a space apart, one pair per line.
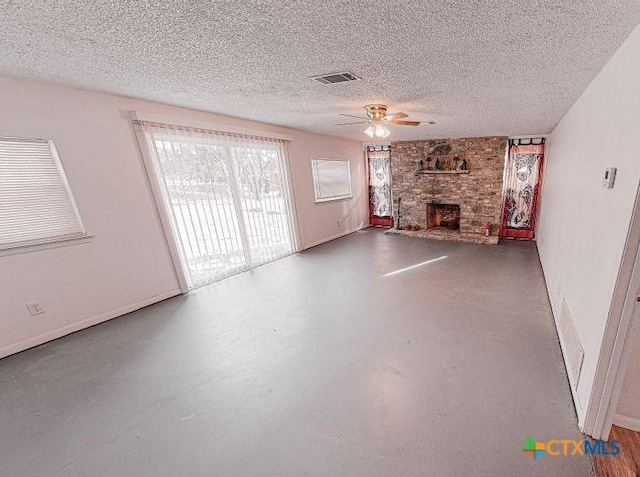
582, 227
628, 408
127, 263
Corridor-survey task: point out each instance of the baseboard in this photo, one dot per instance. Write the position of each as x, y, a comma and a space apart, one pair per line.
631, 423
80, 325
333, 237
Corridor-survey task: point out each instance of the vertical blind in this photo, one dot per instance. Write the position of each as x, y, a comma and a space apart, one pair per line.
227, 196
36, 205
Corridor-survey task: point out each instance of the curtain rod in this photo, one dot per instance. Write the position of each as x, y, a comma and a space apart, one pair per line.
382, 147
527, 141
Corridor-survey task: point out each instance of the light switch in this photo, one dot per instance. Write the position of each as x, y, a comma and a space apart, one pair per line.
609, 177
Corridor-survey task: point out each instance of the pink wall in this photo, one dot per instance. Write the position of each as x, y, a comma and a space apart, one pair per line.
320, 222
126, 265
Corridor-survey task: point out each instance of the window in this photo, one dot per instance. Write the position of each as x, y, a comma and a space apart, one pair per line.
331, 179
36, 205
226, 195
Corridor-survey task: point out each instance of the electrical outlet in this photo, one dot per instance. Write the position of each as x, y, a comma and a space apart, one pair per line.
35, 309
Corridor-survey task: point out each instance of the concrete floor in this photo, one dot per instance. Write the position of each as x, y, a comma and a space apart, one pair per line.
315, 365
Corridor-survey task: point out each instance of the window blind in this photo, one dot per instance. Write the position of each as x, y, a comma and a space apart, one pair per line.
227, 196
331, 179
36, 205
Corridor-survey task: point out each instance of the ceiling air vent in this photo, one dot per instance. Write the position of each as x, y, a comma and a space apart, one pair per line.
336, 78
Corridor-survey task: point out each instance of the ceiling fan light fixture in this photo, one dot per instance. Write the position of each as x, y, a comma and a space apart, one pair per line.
370, 131
377, 119
381, 131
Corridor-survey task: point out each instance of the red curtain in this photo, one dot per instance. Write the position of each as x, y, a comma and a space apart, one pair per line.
523, 178
380, 206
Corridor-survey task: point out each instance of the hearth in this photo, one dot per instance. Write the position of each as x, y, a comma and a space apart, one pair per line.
443, 216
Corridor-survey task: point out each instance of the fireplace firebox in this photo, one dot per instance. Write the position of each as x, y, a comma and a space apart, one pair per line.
443, 216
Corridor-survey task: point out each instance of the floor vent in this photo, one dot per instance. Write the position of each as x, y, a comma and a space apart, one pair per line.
336, 78
574, 353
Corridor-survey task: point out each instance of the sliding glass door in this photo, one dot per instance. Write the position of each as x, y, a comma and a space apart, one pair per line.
262, 198
227, 198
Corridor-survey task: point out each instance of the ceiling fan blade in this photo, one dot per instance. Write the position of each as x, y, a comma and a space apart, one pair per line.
352, 116
357, 122
404, 123
391, 117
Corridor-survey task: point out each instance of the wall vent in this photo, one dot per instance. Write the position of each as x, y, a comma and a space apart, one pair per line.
336, 78
574, 353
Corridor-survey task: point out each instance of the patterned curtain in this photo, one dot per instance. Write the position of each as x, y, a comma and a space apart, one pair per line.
380, 206
522, 185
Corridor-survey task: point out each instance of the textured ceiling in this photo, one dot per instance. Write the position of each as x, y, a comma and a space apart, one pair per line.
478, 68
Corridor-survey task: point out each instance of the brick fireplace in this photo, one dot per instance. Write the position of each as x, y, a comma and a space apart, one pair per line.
447, 203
